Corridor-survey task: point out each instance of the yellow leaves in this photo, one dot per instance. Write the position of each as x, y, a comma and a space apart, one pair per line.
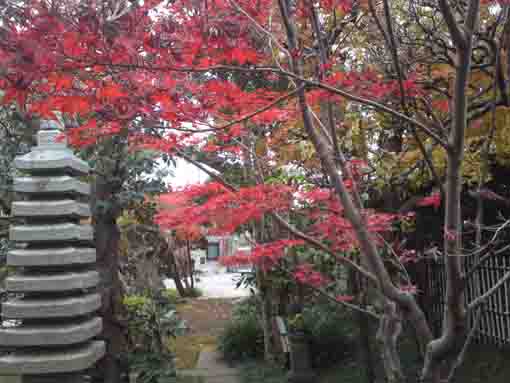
359, 140
261, 148
502, 136
411, 157
480, 79
443, 71
471, 165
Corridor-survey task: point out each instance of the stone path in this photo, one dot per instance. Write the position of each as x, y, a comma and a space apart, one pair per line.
213, 369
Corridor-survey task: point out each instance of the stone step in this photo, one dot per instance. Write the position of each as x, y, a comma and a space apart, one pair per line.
25, 308
52, 361
64, 281
50, 185
61, 208
51, 232
45, 160
51, 335
51, 257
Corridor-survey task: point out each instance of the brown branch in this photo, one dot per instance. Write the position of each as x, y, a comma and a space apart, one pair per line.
286, 225
458, 37
309, 83
462, 355
331, 298
400, 75
369, 251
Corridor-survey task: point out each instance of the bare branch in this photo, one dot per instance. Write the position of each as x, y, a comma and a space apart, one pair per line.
462, 354
259, 27
333, 299
456, 33
286, 225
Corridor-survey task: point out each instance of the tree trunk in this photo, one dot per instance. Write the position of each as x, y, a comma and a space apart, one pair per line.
107, 237
190, 264
172, 266
267, 316
365, 348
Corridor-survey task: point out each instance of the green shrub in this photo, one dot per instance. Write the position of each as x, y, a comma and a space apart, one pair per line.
152, 320
172, 295
252, 372
243, 337
332, 334
194, 292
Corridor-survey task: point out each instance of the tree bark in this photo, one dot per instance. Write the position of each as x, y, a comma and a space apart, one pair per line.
174, 269
107, 237
455, 319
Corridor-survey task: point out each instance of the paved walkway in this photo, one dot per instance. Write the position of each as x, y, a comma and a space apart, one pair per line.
213, 369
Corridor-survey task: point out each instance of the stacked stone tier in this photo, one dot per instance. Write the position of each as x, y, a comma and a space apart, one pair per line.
52, 361
53, 334
50, 322
45, 185
45, 307
64, 256
46, 160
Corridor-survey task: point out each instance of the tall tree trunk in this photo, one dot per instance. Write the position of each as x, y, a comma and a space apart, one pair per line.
267, 315
174, 269
365, 347
190, 264
455, 324
107, 237
351, 200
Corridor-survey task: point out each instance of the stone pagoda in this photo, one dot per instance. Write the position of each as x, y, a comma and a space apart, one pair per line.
49, 324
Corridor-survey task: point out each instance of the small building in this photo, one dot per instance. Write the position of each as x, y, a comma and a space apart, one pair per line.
219, 246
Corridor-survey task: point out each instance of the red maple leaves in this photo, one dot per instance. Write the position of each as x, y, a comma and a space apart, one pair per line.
264, 255
433, 200
223, 211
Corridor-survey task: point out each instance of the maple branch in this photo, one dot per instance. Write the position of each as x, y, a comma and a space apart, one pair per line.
258, 26
458, 37
310, 83
490, 253
378, 106
462, 354
286, 225
455, 318
323, 50
390, 40
325, 294
368, 249
394, 53
262, 109
373, 12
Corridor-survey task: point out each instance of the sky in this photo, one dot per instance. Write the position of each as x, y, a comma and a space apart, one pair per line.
186, 174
